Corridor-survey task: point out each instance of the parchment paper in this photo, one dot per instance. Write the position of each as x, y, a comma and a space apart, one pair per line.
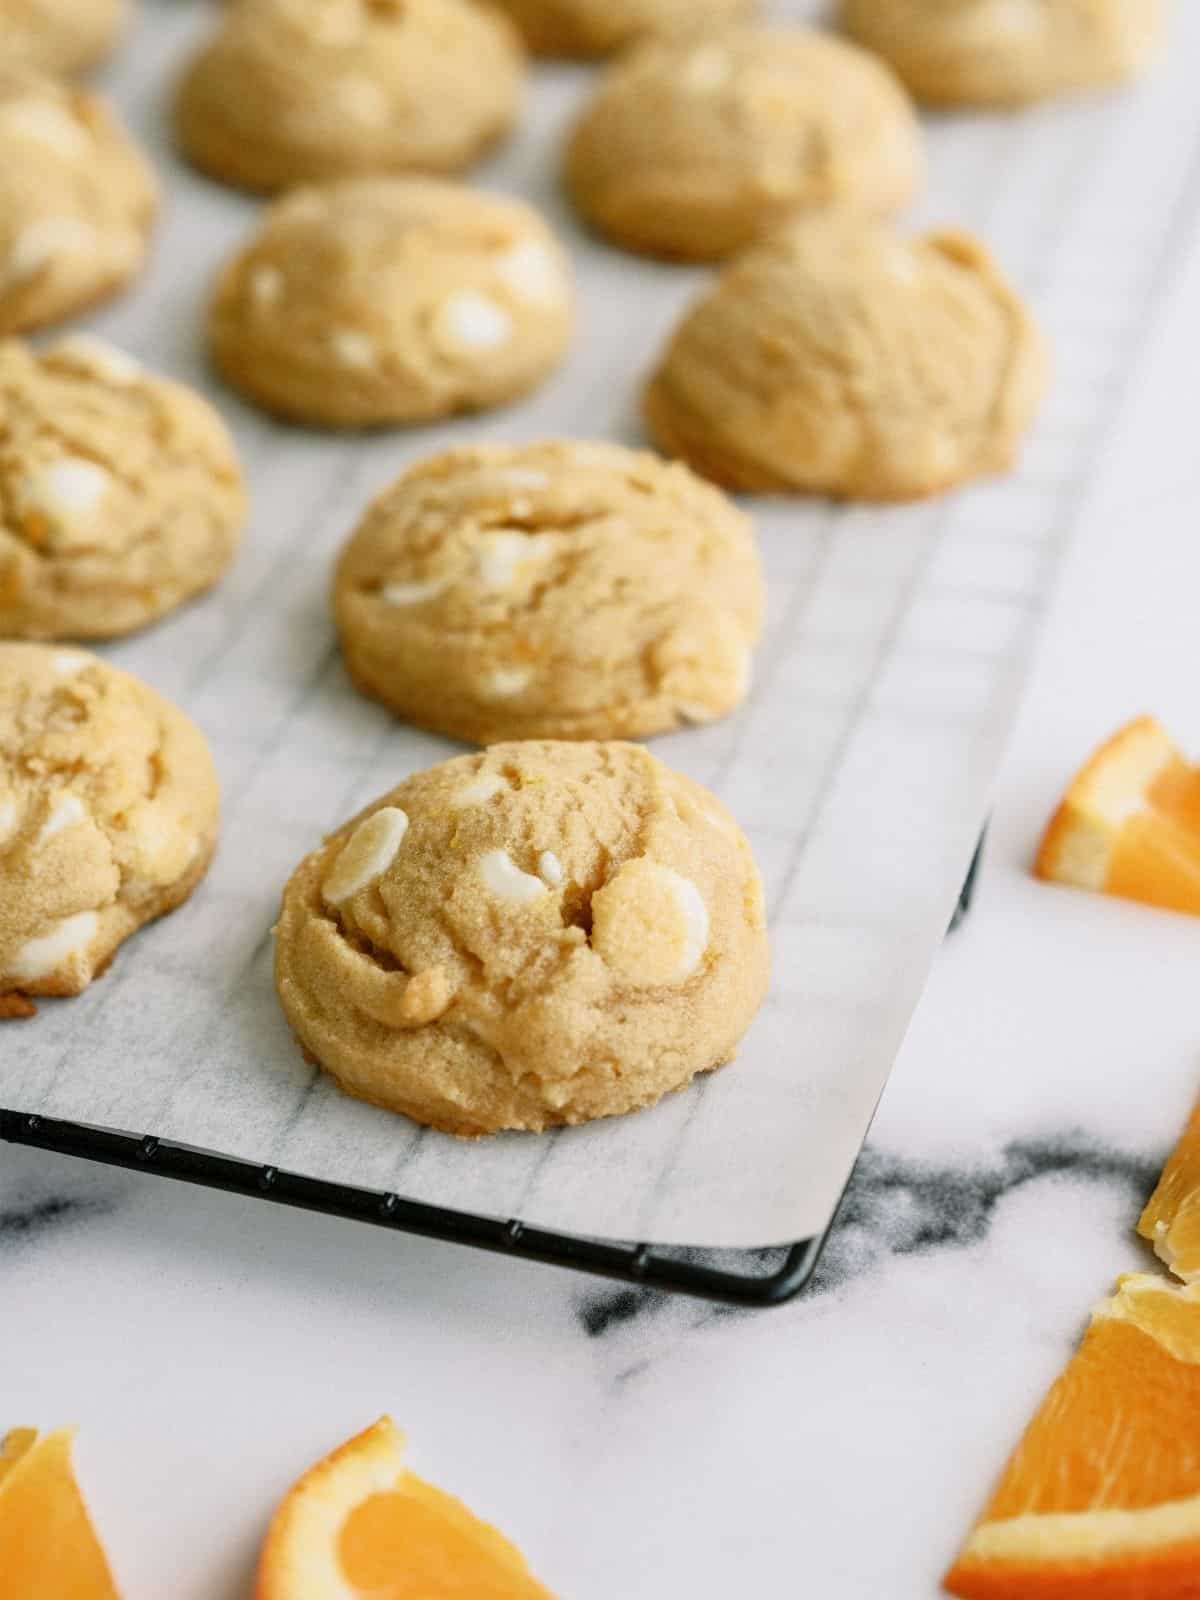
898, 643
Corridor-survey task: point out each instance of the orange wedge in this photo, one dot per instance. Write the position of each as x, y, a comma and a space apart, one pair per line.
48, 1547
1129, 824
359, 1526
1101, 1500
1171, 1220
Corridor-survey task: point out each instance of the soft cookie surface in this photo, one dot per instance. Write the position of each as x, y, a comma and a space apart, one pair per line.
382, 300
541, 934
77, 200
1001, 52
551, 590
696, 146
120, 495
597, 27
841, 359
59, 36
108, 815
296, 91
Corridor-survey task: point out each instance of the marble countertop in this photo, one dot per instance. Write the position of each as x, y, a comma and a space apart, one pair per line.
639, 1446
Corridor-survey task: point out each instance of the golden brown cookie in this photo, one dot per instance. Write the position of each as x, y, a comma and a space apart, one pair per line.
542, 934
388, 300
696, 147
1006, 52
120, 494
59, 36
598, 27
841, 359
297, 91
108, 814
77, 200
567, 591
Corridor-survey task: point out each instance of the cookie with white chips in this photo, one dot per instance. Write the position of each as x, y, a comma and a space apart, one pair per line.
77, 201
120, 492
391, 300
108, 816
559, 590
542, 934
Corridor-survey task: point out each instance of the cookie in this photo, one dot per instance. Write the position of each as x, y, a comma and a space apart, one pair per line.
598, 27
840, 359
59, 36
298, 91
696, 148
108, 816
562, 591
77, 200
1006, 52
120, 494
388, 300
542, 934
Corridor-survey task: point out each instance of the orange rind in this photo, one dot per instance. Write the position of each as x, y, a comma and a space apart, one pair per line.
360, 1526
1129, 824
1101, 1499
1171, 1220
48, 1546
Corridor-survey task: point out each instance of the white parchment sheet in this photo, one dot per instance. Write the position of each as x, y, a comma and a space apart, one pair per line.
898, 643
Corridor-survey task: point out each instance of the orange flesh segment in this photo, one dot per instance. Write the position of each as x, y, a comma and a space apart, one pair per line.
1102, 1496
416, 1543
48, 1546
1171, 1220
1156, 861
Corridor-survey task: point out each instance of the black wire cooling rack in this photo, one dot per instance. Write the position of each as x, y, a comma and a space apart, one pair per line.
765, 1277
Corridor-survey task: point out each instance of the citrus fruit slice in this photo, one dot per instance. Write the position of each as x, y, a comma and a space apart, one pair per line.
1171, 1220
48, 1546
1101, 1499
359, 1526
1129, 824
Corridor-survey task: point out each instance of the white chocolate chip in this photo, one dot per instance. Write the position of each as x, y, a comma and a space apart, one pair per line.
99, 357
550, 869
411, 594
65, 490
500, 555
650, 923
482, 788
266, 285
366, 855
506, 881
361, 98
65, 813
8, 818
706, 69
474, 321
38, 243
353, 348
506, 681
68, 662
43, 955
532, 272
49, 124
